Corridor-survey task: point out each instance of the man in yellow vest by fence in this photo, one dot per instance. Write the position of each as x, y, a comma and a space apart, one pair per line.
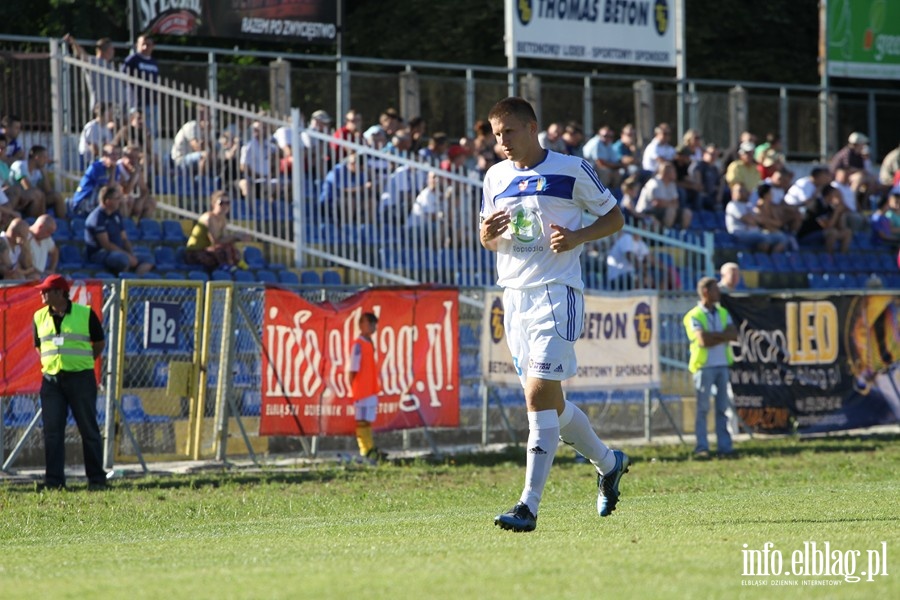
69, 338
710, 330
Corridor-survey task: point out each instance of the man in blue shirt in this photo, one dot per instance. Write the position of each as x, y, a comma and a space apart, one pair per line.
141, 63
107, 243
98, 174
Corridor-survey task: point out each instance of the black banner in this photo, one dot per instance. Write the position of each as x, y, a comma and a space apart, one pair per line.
817, 363
305, 21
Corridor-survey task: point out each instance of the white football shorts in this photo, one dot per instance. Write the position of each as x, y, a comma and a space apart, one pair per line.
542, 324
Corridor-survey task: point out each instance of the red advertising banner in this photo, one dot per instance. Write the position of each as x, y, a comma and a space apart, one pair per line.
306, 349
20, 365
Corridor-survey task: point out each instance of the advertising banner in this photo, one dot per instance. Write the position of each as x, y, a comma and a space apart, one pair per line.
306, 21
306, 349
863, 39
627, 32
617, 349
816, 364
20, 364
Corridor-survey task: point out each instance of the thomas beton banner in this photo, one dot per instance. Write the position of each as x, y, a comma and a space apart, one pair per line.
817, 363
618, 347
306, 349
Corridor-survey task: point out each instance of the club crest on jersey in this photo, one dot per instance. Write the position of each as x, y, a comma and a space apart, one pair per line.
525, 225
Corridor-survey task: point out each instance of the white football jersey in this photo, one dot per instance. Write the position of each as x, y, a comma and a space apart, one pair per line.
557, 191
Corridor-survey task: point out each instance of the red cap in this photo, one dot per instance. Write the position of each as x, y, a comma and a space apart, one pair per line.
54, 282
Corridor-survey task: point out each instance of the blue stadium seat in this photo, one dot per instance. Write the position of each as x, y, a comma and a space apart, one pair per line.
310, 278
747, 261
254, 258
133, 411
76, 224
164, 257
151, 275
70, 257
63, 232
197, 276
251, 403
175, 275
764, 262
131, 230
220, 275
288, 277
20, 411
172, 232
331, 277
151, 230
266, 276
244, 276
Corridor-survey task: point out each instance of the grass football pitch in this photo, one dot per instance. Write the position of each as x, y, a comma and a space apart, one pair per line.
683, 529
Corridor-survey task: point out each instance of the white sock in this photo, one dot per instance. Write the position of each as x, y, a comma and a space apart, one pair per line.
543, 439
576, 431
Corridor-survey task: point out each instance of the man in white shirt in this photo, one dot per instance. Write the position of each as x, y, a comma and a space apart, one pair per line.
190, 149
531, 216
95, 134
806, 189
658, 149
259, 161
44, 253
659, 199
15, 253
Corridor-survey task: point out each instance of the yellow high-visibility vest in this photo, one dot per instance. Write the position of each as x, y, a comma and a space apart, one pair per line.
76, 353
699, 354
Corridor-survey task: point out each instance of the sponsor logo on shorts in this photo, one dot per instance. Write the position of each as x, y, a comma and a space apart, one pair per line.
540, 367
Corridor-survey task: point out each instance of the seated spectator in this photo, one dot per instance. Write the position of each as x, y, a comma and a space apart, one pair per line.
7, 210
659, 148
417, 128
743, 224
135, 133
15, 252
707, 171
690, 188
693, 141
138, 202
607, 163
573, 138
390, 122
228, 152
400, 193
659, 199
351, 130
889, 173
768, 216
210, 246
551, 138
15, 150
400, 144
631, 189
885, 230
855, 221
259, 163
626, 148
630, 264
343, 191
743, 170
317, 159
825, 223
98, 174
805, 190
436, 149
428, 208
44, 253
732, 154
105, 238
730, 278
193, 143
790, 216
486, 147
95, 134
850, 157
29, 175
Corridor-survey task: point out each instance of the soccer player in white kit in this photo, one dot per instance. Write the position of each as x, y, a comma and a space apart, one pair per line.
531, 215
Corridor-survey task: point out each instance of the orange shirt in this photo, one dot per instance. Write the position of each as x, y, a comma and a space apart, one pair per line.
365, 365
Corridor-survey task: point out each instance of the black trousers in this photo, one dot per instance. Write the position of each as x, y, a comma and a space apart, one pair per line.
76, 390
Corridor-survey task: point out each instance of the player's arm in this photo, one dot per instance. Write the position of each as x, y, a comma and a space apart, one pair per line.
563, 240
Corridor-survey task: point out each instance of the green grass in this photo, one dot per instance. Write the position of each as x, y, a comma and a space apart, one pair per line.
426, 531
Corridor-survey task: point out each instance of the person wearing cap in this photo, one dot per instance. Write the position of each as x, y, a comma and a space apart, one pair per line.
317, 159
69, 338
851, 158
743, 170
